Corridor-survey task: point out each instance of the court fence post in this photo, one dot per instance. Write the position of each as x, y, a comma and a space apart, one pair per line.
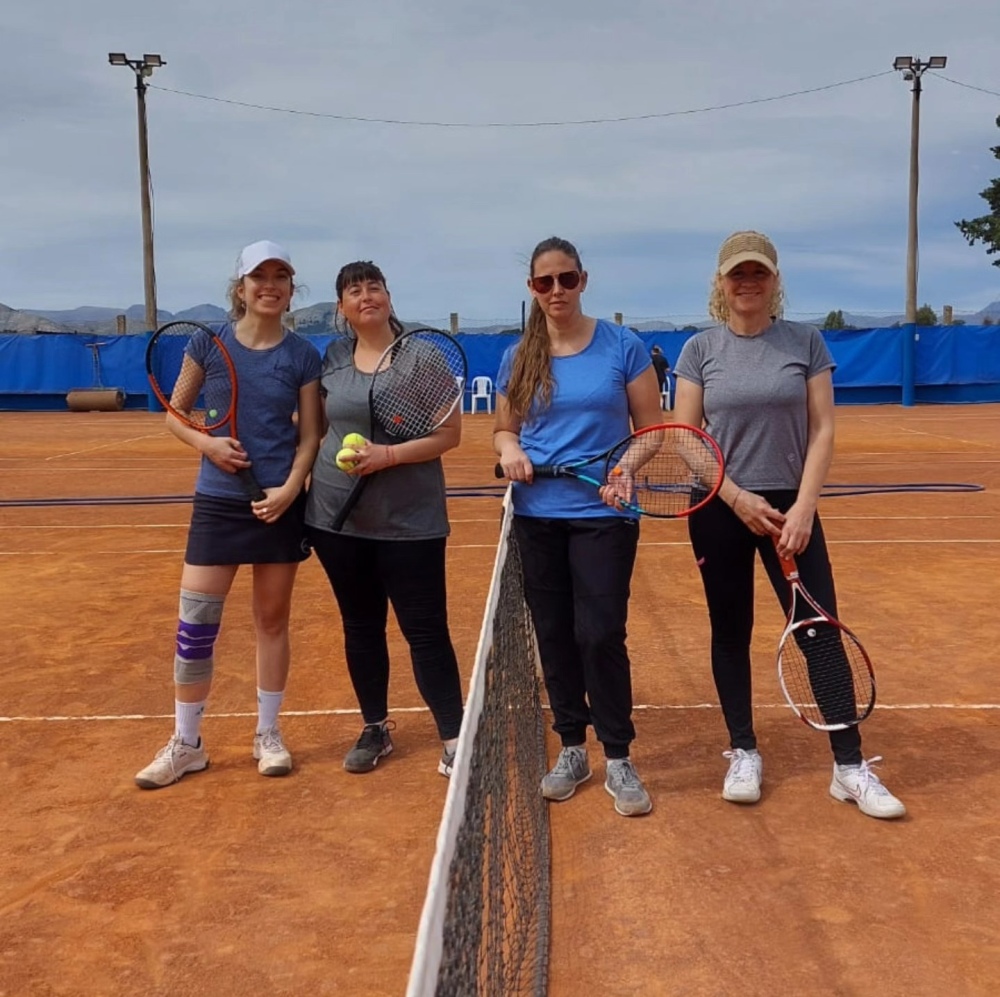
910, 336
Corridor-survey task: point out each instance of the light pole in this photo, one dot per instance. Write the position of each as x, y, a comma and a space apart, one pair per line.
143, 68
913, 69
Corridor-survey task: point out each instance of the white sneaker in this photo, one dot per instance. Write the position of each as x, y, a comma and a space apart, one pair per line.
172, 761
746, 769
859, 784
273, 758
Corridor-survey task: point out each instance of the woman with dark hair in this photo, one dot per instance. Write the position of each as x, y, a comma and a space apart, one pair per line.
763, 387
279, 420
571, 388
392, 546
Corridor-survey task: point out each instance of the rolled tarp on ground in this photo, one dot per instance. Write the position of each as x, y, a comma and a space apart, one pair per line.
96, 400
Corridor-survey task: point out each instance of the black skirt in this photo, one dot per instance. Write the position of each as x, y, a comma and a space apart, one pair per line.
226, 531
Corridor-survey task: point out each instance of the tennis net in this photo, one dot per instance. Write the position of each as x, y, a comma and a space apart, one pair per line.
484, 929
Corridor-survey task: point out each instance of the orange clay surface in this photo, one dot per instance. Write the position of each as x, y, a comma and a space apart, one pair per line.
229, 884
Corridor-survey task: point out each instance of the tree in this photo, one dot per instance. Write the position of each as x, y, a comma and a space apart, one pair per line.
986, 228
834, 320
926, 316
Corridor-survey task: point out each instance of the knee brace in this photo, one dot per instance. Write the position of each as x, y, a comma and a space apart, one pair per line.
199, 619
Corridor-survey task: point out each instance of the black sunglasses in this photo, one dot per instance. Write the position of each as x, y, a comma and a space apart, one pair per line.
568, 280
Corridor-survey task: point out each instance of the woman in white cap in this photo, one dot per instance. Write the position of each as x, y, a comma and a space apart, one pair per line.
763, 387
278, 374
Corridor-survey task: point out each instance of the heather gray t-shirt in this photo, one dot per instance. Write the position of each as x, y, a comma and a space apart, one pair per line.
405, 502
755, 397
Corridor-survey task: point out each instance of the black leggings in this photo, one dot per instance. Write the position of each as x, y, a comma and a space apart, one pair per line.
366, 575
725, 550
577, 575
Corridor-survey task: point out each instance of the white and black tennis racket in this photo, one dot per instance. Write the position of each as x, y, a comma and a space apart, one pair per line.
193, 375
823, 669
663, 471
417, 383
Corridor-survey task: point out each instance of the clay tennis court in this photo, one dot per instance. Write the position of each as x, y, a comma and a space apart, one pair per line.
231, 884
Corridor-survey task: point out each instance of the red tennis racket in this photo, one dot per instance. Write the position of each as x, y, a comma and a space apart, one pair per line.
824, 671
192, 374
663, 471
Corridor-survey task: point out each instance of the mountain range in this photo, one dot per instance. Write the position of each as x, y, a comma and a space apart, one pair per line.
318, 319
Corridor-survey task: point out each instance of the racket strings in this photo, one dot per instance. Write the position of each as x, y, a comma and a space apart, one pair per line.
418, 384
826, 674
189, 371
668, 470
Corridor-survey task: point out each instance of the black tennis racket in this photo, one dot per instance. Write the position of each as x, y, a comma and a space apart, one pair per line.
663, 471
193, 375
417, 383
824, 671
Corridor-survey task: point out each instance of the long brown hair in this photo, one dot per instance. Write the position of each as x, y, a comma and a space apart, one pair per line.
531, 381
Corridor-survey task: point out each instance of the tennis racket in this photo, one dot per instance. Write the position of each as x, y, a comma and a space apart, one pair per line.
192, 374
663, 471
824, 671
417, 384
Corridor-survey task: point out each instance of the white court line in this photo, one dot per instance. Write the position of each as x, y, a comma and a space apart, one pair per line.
105, 446
485, 519
423, 709
487, 546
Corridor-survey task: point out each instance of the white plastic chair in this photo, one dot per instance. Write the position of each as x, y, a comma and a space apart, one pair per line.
482, 387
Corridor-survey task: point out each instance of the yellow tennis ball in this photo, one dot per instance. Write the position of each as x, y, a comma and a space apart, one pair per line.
346, 459
355, 440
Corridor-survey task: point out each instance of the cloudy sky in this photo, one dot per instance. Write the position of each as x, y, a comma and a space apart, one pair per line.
452, 213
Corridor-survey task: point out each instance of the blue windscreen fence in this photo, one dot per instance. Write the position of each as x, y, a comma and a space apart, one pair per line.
949, 364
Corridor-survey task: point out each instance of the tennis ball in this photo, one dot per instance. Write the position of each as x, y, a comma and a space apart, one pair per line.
355, 440
346, 459
213, 413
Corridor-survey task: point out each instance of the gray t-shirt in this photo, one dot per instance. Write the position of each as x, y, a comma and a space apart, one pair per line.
405, 502
755, 397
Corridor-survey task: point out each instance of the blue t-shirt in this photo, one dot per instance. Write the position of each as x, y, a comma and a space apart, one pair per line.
589, 414
269, 382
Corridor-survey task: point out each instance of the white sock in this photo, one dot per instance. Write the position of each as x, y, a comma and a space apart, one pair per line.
268, 707
189, 720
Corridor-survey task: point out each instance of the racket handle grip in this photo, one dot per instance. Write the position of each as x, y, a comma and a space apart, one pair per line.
254, 492
538, 470
349, 503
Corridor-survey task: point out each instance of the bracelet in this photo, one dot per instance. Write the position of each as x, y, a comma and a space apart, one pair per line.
739, 492
390, 457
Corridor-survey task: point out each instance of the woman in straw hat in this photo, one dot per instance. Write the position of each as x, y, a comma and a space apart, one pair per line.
763, 387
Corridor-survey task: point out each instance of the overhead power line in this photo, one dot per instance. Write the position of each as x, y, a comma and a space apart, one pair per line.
521, 124
968, 86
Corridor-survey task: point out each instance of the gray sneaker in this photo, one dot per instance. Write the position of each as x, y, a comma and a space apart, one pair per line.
374, 743
273, 758
624, 784
571, 768
172, 761
447, 762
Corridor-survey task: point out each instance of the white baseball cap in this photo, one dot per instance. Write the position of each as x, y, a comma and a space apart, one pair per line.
259, 252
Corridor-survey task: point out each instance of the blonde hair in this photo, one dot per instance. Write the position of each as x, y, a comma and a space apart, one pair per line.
531, 379
718, 307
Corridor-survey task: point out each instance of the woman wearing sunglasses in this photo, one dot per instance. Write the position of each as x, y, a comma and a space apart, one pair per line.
568, 390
